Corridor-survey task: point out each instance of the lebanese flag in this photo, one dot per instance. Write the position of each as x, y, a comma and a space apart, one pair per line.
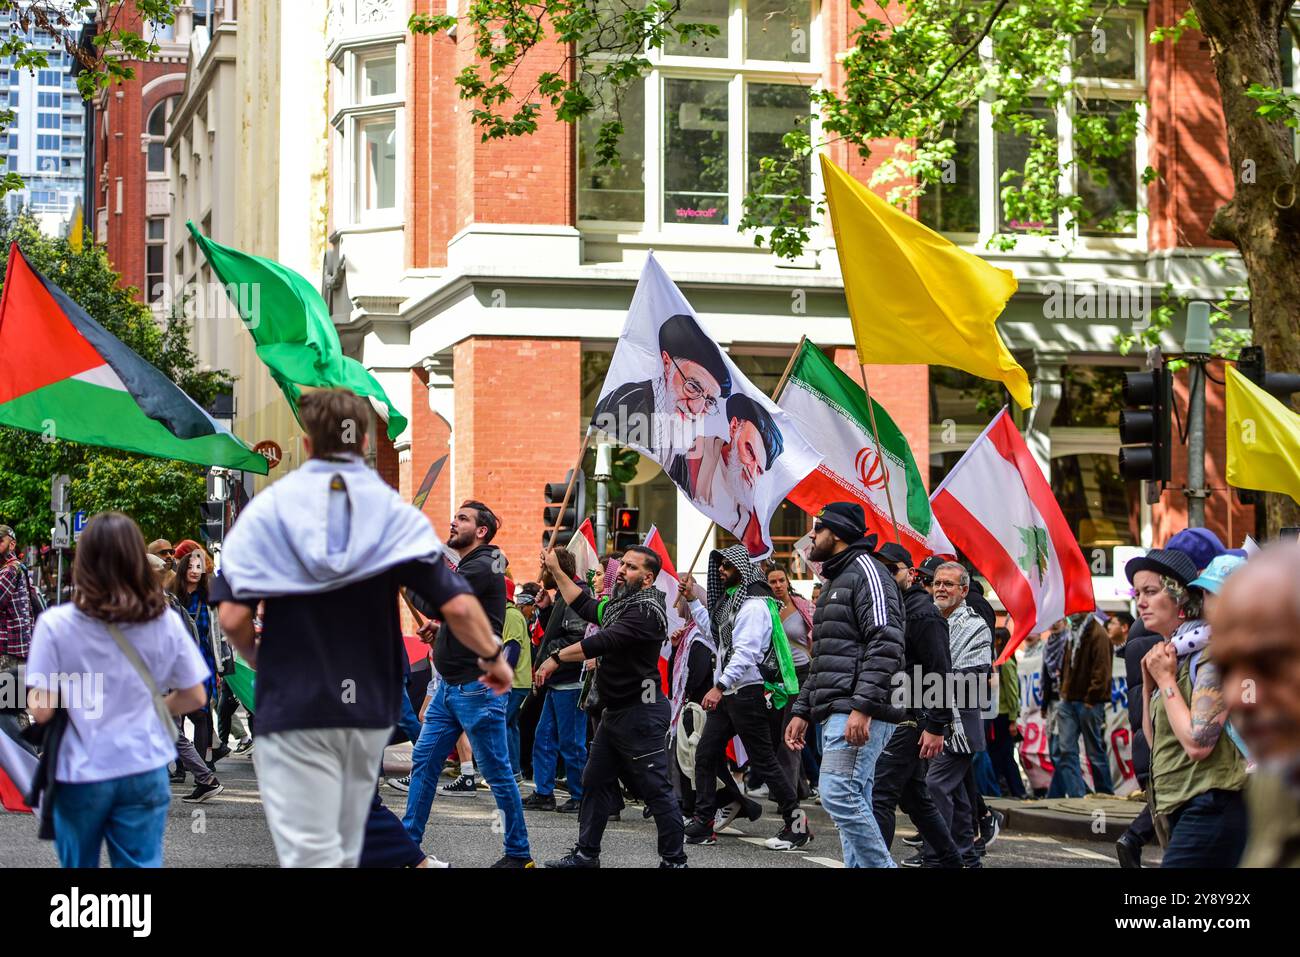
997, 507
17, 766
667, 583
65, 376
582, 546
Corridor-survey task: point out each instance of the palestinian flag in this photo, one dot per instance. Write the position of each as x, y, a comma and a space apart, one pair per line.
291, 327
64, 375
833, 413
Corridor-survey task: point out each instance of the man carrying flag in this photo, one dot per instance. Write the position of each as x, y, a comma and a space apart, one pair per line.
742, 615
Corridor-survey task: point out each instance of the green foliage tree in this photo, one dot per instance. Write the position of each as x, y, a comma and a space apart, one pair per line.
163, 496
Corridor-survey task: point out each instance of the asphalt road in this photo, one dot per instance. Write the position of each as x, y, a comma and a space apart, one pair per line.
231, 831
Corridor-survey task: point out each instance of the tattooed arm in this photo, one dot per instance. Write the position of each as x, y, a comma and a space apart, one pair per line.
1198, 726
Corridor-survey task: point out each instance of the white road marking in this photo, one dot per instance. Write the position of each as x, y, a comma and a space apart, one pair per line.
1090, 855
826, 861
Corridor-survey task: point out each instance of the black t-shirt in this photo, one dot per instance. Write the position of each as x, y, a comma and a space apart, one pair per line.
334, 659
484, 570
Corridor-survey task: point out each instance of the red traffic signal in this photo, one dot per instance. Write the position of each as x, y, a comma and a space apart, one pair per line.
627, 519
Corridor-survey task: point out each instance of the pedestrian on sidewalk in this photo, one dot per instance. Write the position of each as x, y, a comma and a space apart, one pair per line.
562, 726
97, 663
327, 548
742, 618
1256, 641
918, 737
1085, 691
461, 704
1198, 773
630, 739
970, 646
857, 650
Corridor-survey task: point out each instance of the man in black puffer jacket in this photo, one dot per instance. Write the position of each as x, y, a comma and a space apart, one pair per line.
900, 773
857, 649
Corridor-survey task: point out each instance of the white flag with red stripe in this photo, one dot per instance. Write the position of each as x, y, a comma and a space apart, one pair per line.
996, 506
666, 582
582, 546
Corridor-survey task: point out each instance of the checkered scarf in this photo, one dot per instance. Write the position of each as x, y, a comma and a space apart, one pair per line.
651, 599
723, 607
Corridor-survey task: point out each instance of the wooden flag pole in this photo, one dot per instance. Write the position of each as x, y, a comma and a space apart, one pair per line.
568, 492
775, 393
880, 452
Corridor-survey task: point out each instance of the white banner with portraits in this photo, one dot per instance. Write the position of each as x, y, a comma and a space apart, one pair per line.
674, 395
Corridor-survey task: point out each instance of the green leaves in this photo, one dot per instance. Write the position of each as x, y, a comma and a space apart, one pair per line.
1276, 105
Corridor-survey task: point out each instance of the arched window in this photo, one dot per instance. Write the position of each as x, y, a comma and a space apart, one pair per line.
157, 133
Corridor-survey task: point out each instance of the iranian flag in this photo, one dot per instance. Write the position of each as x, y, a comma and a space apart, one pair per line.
999, 510
833, 414
65, 376
582, 546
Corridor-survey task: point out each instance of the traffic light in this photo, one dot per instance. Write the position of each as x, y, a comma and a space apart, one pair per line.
1144, 425
213, 521
627, 527
573, 512
1280, 385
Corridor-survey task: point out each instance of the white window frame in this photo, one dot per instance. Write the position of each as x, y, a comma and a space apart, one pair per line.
1066, 237
352, 111
737, 72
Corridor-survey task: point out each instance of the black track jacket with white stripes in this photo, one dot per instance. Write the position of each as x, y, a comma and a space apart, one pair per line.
857, 638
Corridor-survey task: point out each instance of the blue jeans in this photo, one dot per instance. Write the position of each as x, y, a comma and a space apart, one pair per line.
1208, 831
517, 698
1073, 719
562, 728
481, 715
408, 720
847, 774
130, 813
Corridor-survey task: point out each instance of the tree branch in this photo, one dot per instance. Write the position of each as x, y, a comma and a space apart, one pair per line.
974, 45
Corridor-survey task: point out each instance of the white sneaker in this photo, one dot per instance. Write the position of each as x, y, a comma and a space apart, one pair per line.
432, 862
725, 815
759, 792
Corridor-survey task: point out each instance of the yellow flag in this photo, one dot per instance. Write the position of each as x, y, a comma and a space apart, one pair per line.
76, 226
913, 296
1263, 439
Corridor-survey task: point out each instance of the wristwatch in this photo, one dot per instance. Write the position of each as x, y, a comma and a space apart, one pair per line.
720, 686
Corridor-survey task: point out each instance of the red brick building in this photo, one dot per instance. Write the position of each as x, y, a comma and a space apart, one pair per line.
130, 197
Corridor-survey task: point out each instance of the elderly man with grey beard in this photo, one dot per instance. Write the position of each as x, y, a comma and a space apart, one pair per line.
971, 647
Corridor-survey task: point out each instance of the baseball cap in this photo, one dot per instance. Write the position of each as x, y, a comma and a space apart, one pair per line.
7, 531
931, 565
1217, 572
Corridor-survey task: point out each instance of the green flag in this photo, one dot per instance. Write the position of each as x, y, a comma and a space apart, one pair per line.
291, 325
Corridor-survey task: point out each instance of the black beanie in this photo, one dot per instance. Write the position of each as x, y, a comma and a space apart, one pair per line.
845, 520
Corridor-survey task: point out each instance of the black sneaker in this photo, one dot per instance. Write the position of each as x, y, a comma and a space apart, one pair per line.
917, 861
463, 786
177, 778
509, 861
679, 866
700, 832
569, 807
991, 827
218, 754
575, 860
534, 801
202, 792
794, 835
399, 784
916, 840
244, 747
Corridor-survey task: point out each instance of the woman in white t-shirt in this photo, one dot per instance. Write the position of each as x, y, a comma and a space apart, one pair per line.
111, 774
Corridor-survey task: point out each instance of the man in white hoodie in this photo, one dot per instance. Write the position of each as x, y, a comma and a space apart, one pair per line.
740, 615
327, 548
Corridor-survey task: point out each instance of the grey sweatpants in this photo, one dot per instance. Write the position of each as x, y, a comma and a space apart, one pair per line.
316, 785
